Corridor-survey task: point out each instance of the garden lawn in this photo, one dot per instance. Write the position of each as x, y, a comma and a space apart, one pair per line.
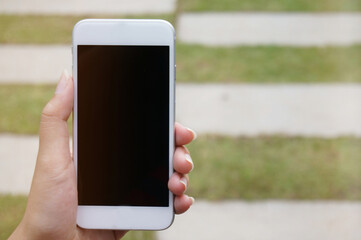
21, 107
200, 64
276, 167
51, 29
274, 5
269, 64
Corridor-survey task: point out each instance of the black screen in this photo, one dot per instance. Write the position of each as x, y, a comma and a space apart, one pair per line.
123, 125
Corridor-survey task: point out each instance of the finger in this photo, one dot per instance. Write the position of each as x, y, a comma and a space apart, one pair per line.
182, 203
178, 183
182, 161
54, 135
183, 135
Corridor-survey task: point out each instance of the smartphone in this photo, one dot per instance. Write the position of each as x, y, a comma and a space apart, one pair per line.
123, 123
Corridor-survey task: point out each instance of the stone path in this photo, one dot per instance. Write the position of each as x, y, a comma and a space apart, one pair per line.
312, 220
83, 7
286, 29
18, 155
33, 63
17, 162
324, 110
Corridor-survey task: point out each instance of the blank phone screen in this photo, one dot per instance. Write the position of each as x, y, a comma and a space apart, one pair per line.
123, 125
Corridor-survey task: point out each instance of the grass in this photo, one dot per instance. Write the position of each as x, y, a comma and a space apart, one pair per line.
12, 209
275, 5
276, 168
52, 29
21, 106
254, 168
200, 64
269, 64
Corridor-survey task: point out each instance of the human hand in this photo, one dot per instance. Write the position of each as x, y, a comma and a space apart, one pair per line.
52, 202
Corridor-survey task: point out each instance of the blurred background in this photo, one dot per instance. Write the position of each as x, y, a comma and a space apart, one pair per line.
272, 88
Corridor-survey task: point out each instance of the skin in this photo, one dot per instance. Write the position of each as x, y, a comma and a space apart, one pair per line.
52, 202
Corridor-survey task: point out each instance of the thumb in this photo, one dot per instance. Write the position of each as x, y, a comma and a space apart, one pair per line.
54, 134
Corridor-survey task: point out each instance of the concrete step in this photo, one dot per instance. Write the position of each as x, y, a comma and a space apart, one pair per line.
310, 110
284, 29
84, 7
17, 162
267, 220
33, 63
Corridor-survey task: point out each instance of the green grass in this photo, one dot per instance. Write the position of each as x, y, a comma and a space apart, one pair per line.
273, 5
12, 209
199, 64
21, 106
34, 29
253, 169
276, 168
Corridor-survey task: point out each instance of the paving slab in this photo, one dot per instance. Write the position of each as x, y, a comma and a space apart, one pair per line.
17, 162
267, 220
83, 7
285, 29
18, 154
311, 110
33, 63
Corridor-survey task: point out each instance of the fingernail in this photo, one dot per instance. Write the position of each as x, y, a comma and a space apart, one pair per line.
193, 200
63, 82
189, 159
183, 180
193, 132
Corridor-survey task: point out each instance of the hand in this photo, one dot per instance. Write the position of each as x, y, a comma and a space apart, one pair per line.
52, 202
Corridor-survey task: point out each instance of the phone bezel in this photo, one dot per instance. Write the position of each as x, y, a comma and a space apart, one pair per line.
126, 32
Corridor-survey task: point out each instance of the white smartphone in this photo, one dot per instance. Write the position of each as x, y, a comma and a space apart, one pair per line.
123, 123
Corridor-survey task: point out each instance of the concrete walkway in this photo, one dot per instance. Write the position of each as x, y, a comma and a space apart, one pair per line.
319, 110
33, 63
83, 7
286, 29
267, 220
17, 162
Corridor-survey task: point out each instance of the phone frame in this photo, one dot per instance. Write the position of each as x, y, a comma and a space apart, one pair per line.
126, 32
